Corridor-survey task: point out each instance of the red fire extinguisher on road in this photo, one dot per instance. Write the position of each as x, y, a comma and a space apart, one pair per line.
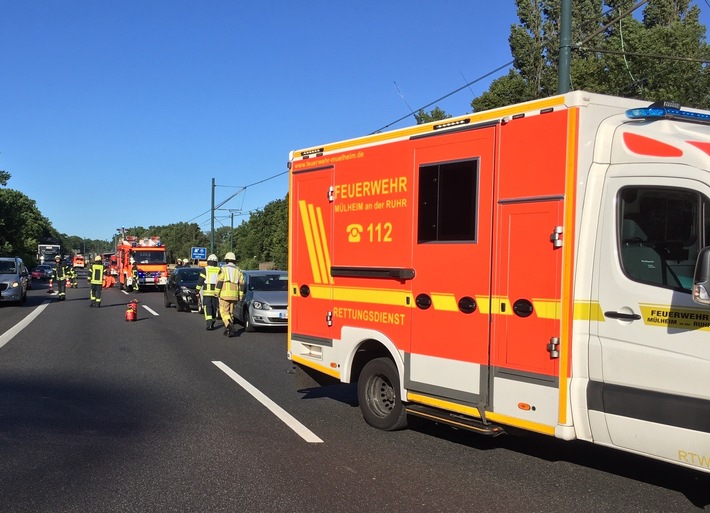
132, 310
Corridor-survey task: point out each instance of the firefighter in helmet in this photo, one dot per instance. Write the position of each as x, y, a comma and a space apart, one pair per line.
96, 278
207, 288
229, 281
60, 276
134, 274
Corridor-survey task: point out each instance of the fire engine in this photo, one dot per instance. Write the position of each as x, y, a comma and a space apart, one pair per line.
536, 267
149, 255
78, 261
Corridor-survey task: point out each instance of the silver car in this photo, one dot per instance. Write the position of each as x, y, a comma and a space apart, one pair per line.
13, 280
264, 300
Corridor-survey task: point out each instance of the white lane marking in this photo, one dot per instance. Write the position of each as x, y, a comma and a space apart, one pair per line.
10, 334
151, 310
282, 414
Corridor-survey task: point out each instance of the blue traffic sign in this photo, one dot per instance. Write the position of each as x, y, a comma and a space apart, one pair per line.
199, 253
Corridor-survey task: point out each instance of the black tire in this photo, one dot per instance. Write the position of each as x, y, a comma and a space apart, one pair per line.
378, 395
248, 325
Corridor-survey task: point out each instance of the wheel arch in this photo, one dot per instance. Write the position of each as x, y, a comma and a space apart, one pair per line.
364, 346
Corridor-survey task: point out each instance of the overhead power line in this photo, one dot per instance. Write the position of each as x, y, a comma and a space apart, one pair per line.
241, 190
651, 55
507, 64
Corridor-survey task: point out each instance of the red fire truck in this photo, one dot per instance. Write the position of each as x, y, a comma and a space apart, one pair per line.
148, 254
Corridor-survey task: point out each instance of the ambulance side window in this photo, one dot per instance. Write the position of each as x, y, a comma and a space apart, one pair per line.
447, 202
660, 232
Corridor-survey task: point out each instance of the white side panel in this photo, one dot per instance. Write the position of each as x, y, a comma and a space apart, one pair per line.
683, 446
441, 372
544, 400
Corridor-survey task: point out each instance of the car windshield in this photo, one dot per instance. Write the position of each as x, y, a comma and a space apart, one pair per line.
7, 267
269, 282
189, 276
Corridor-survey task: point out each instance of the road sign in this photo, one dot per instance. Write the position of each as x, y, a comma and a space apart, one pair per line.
199, 253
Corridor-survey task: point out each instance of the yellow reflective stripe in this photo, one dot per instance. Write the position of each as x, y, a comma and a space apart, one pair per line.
444, 302
588, 311
310, 243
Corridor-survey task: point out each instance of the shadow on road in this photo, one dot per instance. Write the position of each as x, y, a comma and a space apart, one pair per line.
694, 485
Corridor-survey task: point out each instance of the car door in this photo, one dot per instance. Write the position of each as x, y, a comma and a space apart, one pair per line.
650, 362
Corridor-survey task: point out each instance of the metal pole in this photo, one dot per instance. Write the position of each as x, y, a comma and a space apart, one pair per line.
212, 221
231, 230
563, 76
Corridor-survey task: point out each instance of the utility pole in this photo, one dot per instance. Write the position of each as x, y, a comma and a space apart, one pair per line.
212, 221
231, 230
563, 76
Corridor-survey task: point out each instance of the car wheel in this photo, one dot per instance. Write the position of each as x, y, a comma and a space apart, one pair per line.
378, 395
248, 324
166, 303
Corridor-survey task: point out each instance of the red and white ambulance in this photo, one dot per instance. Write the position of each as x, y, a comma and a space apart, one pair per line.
529, 267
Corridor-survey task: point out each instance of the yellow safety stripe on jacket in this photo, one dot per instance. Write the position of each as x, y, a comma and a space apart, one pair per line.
228, 282
97, 274
208, 278
61, 272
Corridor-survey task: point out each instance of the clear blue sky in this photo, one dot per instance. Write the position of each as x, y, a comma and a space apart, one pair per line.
120, 113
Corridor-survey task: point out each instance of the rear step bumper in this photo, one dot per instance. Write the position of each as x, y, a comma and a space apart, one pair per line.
455, 419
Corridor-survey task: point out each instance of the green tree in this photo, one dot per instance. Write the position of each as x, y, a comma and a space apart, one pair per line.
436, 114
263, 237
630, 57
22, 226
4, 178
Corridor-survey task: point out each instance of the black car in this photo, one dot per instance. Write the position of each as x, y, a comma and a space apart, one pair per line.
180, 289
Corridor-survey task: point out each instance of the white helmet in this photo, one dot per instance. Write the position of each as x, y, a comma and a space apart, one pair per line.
212, 258
230, 256
133, 260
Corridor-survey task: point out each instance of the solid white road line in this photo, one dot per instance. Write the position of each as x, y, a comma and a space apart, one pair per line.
282, 414
10, 334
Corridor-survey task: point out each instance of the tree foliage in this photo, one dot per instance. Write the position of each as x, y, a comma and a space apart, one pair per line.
264, 237
662, 55
22, 226
436, 114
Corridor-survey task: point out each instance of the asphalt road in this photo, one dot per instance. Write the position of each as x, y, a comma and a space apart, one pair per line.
102, 415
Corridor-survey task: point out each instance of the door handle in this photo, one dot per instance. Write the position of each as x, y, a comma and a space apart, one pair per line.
622, 316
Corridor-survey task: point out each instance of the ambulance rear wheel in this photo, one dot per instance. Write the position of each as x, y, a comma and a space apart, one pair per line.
379, 396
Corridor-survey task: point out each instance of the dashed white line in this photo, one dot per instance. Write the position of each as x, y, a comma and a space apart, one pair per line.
282, 414
150, 310
10, 334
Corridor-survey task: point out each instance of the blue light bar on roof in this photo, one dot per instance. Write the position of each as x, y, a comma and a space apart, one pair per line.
668, 113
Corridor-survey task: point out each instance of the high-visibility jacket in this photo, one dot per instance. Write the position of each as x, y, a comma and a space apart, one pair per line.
60, 273
208, 280
97, 274
228, 281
